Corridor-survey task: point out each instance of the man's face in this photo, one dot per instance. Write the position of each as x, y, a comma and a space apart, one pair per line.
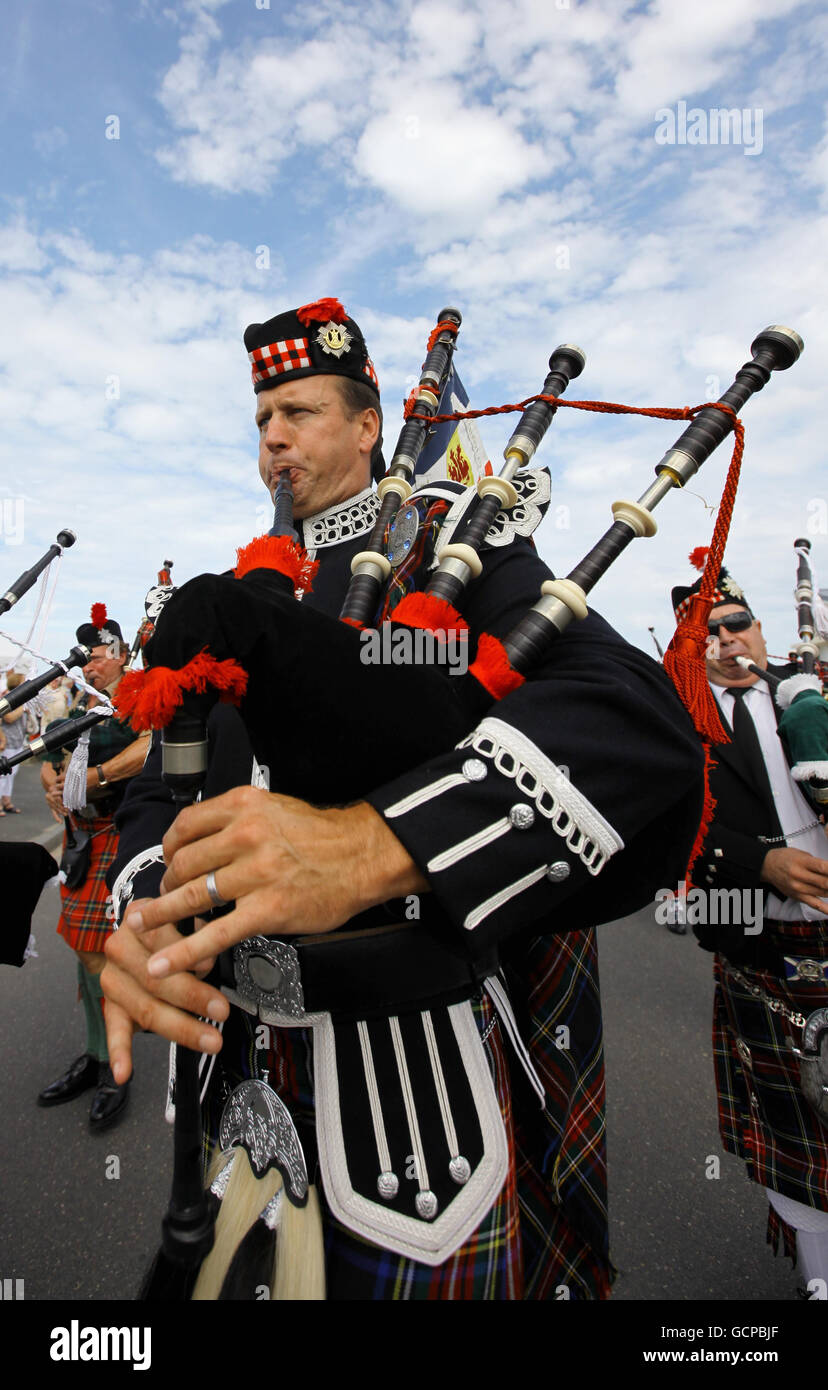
103, 668
725, 670
304, 430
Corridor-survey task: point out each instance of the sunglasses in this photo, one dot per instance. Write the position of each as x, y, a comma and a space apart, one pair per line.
734, 622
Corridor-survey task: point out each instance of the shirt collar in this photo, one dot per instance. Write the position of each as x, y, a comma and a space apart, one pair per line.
341, 522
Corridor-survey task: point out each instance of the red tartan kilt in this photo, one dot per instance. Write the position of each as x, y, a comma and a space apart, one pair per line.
86, 919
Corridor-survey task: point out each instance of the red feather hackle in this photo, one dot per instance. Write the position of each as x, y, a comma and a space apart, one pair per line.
98, 614
321, 311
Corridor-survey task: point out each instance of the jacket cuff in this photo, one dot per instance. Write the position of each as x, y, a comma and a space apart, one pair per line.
730, 859
513, 836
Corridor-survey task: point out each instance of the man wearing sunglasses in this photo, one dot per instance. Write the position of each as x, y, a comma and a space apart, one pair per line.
771, 965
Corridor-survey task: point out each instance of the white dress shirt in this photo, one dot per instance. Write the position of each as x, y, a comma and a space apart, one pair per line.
793, 810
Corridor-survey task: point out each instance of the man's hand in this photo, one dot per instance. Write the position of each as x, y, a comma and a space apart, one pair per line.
53, 786
796, 874
291, 868
167, 1007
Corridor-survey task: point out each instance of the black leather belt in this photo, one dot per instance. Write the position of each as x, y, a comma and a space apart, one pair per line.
368, 973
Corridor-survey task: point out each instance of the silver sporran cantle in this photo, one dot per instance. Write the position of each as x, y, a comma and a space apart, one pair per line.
813, 1063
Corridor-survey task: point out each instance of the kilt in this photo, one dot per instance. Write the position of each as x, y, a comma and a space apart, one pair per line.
86, 919
763, 1116
546, 1235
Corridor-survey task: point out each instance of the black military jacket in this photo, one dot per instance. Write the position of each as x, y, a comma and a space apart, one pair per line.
570, 803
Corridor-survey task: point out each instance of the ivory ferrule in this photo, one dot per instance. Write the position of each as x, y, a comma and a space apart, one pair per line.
637, 517
803, 593
808, 645
463, 555
373, 563
401, 486
501, 488
567, 592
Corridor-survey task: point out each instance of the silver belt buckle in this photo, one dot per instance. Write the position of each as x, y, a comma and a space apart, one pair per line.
811, 971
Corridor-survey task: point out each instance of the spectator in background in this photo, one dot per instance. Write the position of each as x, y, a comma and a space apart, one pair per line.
15, 736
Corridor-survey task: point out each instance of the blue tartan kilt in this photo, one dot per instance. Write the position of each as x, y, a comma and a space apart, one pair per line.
546, 1235
763, 1116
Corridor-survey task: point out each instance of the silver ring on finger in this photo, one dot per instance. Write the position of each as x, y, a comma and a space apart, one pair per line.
213, 893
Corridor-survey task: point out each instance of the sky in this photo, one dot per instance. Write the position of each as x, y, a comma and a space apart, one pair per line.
556, 170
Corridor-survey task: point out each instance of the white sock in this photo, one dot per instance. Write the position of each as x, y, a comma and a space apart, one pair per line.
811, 1226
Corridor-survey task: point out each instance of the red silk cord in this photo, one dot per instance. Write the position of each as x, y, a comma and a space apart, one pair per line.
684, 660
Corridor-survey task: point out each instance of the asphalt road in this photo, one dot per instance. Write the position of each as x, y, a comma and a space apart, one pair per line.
80, 1213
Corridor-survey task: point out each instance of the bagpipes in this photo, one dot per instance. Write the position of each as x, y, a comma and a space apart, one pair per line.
803, 726
244, 638
65, 539
26, 866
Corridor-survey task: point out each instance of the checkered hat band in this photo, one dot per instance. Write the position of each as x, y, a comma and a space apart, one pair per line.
369, 372
718, 597
287, 356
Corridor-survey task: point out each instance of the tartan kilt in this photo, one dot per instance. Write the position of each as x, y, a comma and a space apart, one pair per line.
527, 1246
86, 921
763, 1116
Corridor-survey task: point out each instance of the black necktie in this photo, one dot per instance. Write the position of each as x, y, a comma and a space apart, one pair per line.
747, 741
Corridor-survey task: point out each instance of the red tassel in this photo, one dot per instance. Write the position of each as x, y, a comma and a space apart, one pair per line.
321, 311
277, 553
98, 614
698, 556
492, 669
150, 698
684, 662
427, 611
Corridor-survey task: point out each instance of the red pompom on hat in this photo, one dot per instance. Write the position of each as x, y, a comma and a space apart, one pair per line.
98, 614
322, 311
698, 556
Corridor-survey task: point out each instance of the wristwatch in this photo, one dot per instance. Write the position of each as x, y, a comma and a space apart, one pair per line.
102, 782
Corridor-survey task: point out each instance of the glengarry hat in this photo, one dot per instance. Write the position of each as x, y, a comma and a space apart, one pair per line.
101, 631
725, 591
316, 340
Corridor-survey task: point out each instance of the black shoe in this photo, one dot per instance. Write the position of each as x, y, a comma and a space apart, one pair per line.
109, 1100
82, 1074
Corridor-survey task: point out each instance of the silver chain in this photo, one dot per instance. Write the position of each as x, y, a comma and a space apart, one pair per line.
775, 1005
783, 839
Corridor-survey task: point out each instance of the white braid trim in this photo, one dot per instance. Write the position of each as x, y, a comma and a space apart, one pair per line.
576, 820
790, 688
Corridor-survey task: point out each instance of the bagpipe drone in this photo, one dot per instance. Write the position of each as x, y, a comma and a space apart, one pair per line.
803, 726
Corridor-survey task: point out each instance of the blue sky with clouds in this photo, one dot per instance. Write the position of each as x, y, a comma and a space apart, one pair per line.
403, 155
